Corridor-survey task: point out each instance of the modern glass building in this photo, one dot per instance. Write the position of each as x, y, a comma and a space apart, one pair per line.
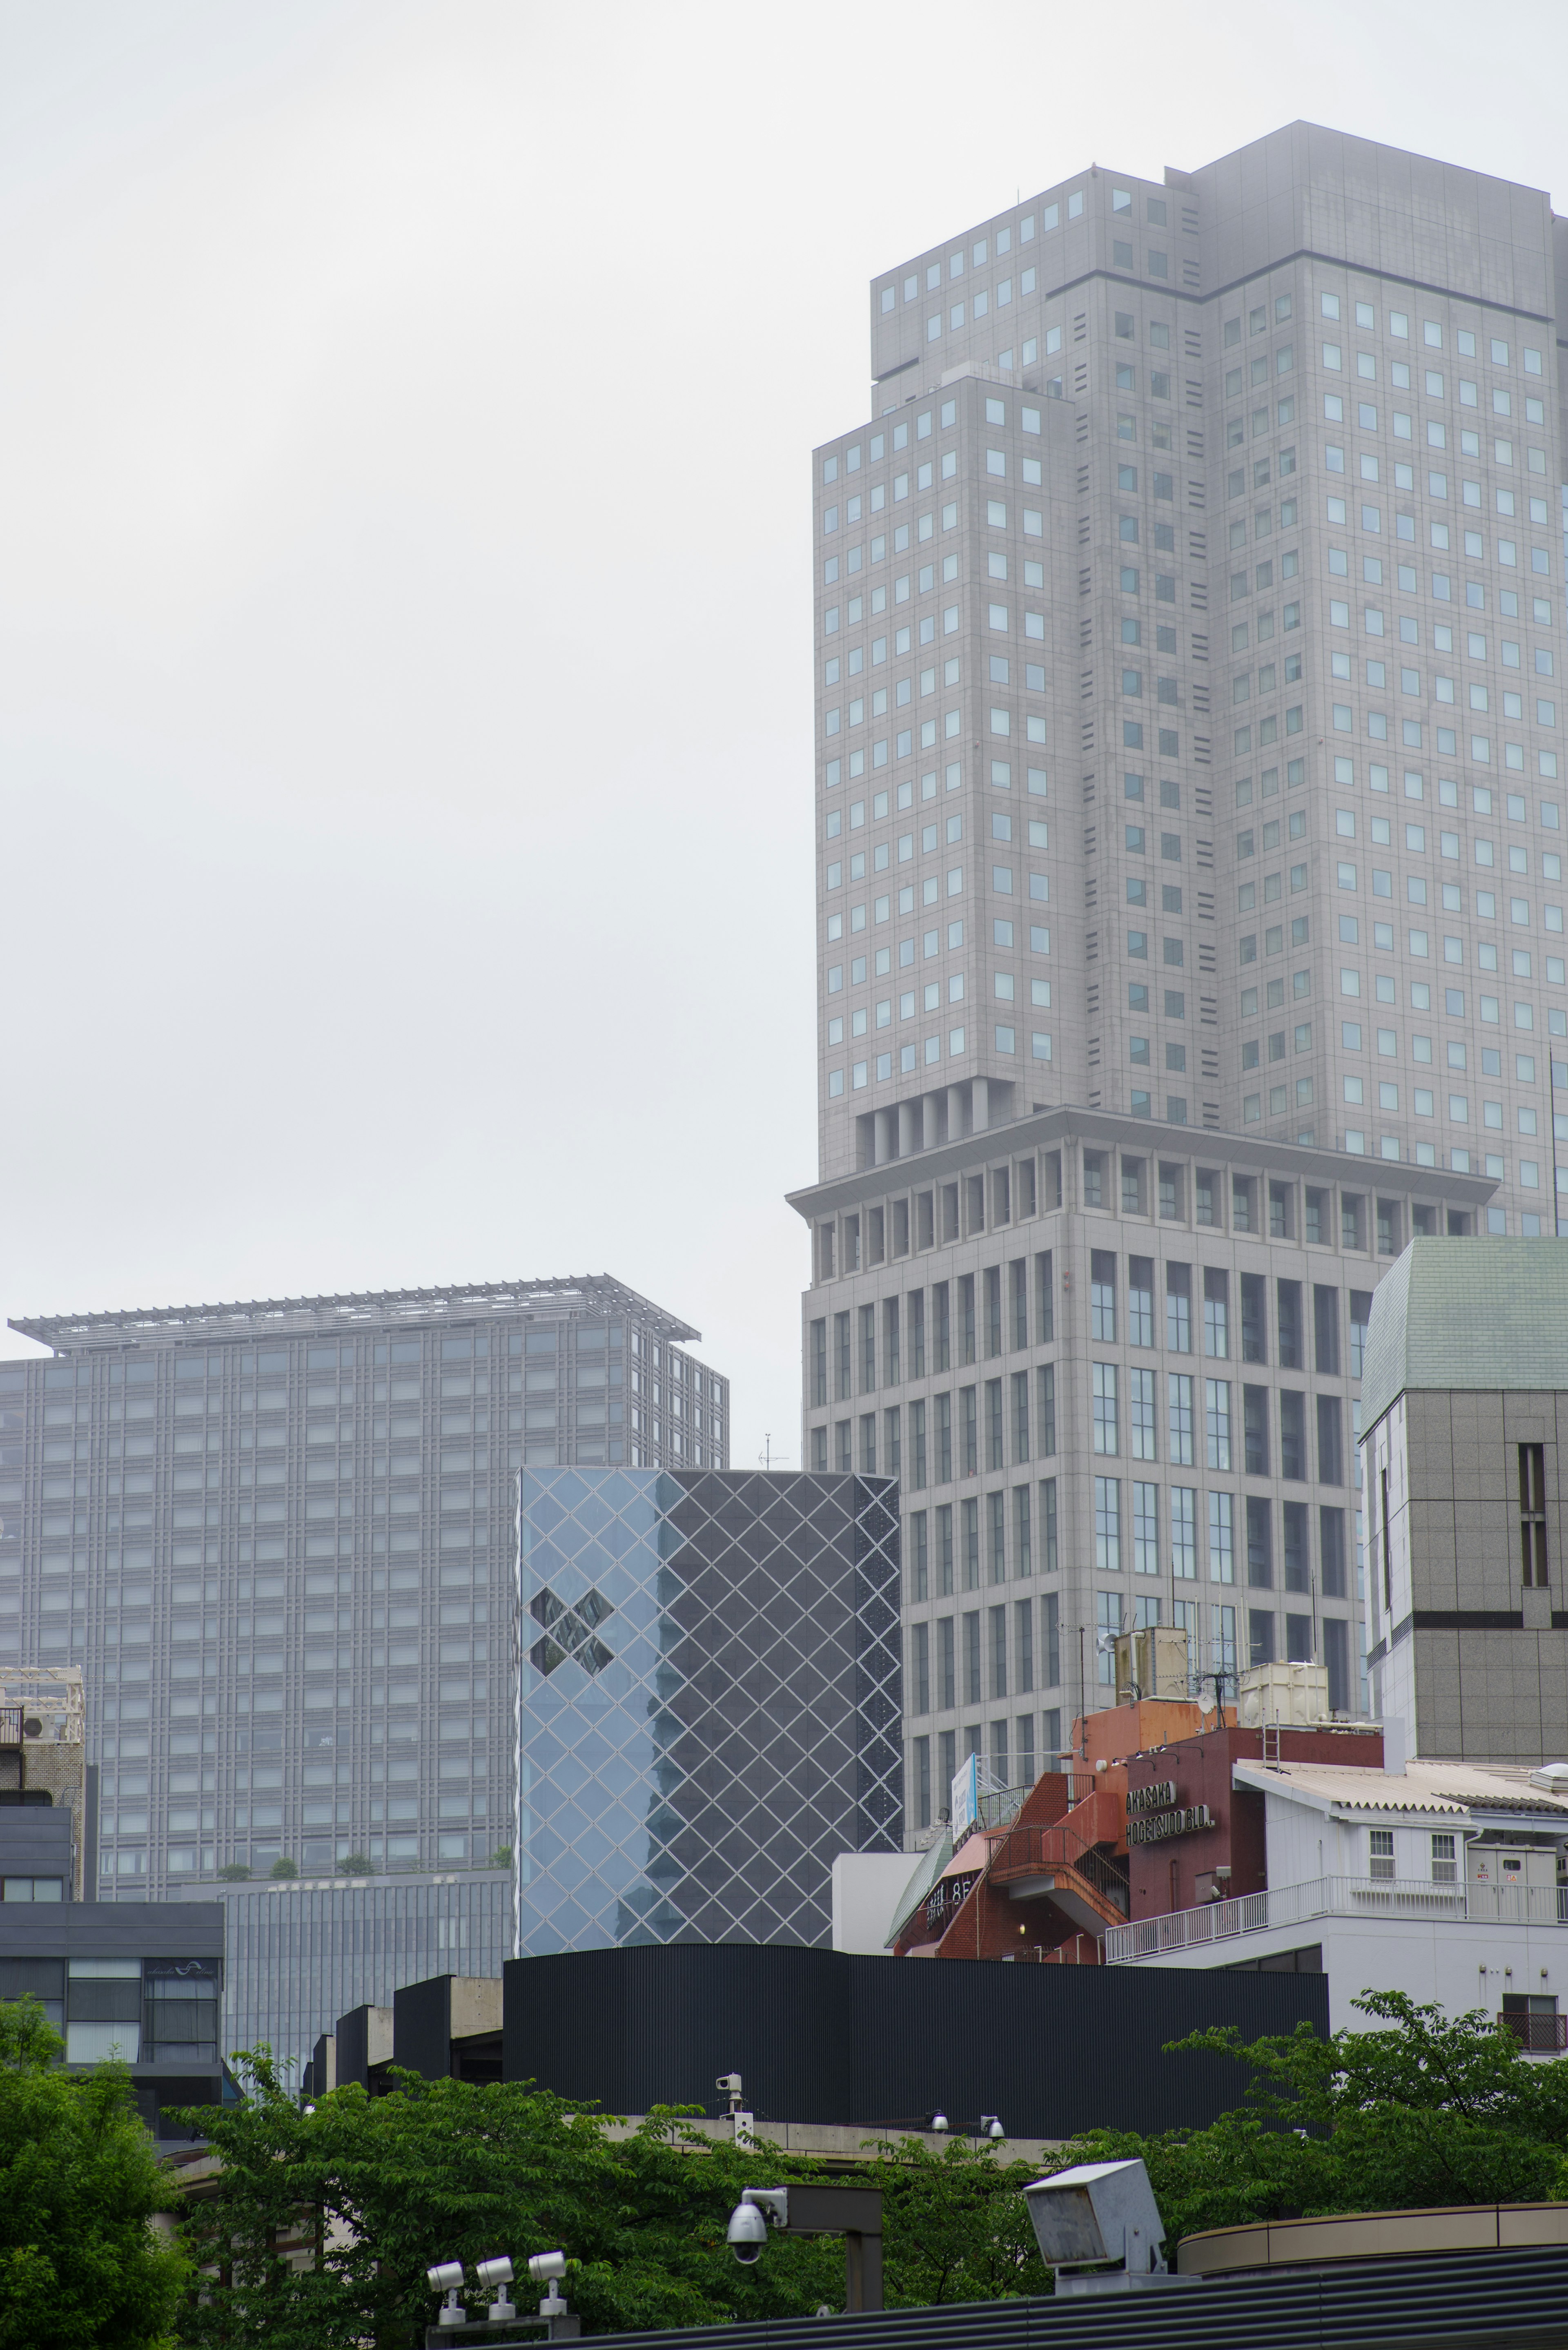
710, 1702
303, 1952
279, 1540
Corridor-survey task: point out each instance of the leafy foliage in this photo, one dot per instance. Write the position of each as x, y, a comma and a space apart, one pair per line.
82, 2262
322, 2224
1431, 2109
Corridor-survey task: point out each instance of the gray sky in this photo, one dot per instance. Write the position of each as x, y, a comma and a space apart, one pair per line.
404, 591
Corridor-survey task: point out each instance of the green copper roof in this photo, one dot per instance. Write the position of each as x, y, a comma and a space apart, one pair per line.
1467, 1314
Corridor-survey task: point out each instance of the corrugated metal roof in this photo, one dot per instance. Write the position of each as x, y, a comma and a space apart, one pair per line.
1449, 1787
1468, 1315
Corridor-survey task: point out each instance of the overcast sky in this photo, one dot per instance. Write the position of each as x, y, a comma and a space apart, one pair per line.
405, 598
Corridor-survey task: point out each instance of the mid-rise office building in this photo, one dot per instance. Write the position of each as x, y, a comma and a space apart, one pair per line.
710, 1702
278, 1538
1189, 618
1465, 1398
300, 1949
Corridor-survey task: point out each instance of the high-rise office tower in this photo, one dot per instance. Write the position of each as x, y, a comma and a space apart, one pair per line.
279, 1539
1189, 629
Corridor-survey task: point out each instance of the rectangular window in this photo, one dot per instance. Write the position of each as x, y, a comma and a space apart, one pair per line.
921, 1667
1051, 1642
971, 1685
995, 1453
1023, 1637
945, 1551
1141, 1299
841, 1348
998, 1628
1222, 1539
944, 1408
892, 1436
1254, 1318
1533, 1566
819, 1361
1045, 1298
1292, 1432
1104, 1408
1140, 1415
917, 1444
1048, 1558
970, 1521
1329, 1456
1179, 1307
1288, 1309
1216, 1312
1184, 1533
917, 1318
919, 1557
1108, 1524
1179, 1419
1331, 1552
996, 1543
890, 1339
1255, 1429
947, 1673
1297, 1560
1260, 1545
968, 1401
1023, 1533
1103, 1296
1018, 1290
867, 1349
941, 1323
1046, 1406
1146, 1528
1326, 1330
1217, 1417
1380, 1855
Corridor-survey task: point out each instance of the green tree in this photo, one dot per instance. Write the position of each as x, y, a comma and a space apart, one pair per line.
323, 2222
956, 2227
283, 1868
1428, 2109
81, 2260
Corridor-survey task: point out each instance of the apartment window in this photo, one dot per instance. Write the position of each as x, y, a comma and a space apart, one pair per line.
1380, 1855
1444, 1859
1532, 1517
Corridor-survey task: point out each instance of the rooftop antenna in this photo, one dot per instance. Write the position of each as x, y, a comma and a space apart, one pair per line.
765, 1457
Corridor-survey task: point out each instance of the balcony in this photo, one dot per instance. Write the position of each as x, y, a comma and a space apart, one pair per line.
1337, 1896
1538, 2035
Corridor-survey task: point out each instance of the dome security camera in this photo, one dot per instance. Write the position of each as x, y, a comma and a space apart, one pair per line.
938, 2123
747, 2233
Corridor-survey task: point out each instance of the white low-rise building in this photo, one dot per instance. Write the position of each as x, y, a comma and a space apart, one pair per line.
1445, 1880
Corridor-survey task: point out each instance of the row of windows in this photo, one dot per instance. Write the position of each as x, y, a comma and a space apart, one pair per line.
1012, 1533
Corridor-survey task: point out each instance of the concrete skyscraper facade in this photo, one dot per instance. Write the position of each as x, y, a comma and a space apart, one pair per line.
1188, 630
278, 1537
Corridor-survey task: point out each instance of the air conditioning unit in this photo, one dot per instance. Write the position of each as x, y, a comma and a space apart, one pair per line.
1151, 1663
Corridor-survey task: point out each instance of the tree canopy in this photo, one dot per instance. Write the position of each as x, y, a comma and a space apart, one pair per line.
81, 2261
1428, 2109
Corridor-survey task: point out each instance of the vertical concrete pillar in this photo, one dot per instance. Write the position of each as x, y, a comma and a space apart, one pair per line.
883, 1144
907, 1143
980, 1103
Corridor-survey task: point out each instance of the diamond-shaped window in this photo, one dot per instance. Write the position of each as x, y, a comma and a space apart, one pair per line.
569, 1631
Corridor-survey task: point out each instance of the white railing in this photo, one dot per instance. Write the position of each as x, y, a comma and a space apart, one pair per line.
1337, 1896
